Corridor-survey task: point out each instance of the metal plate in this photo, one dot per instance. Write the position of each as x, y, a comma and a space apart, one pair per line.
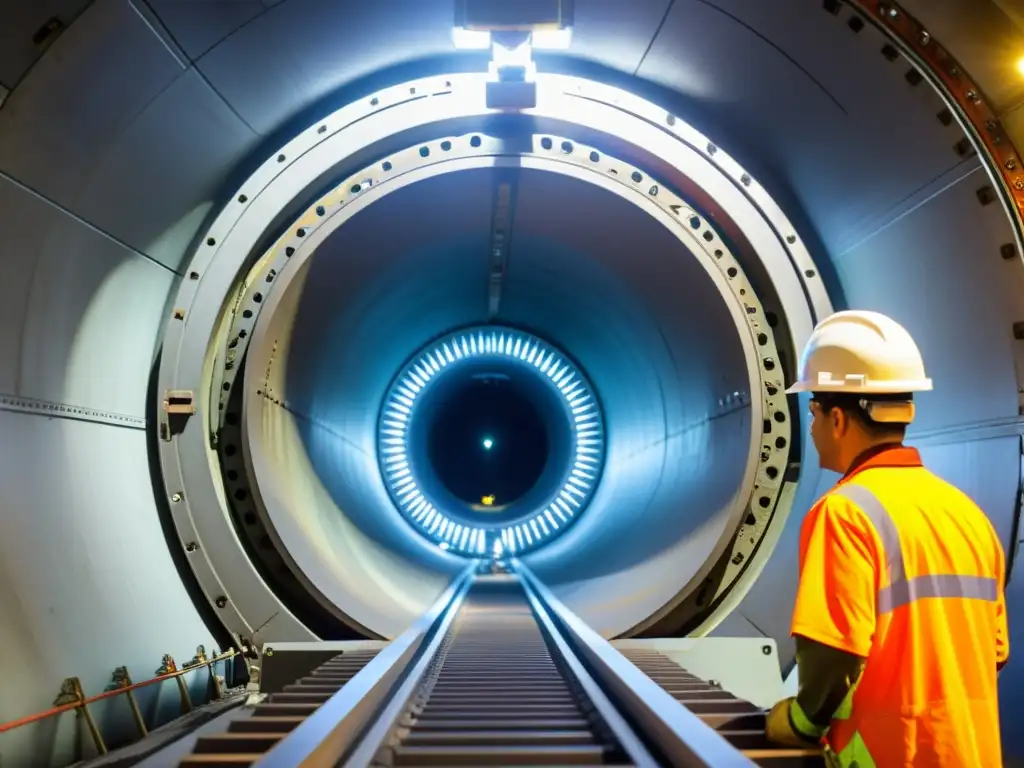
101, 165
83, 565
818, 123
973, 314
70, 289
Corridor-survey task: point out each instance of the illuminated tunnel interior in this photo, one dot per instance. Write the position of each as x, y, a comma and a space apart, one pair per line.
372, 289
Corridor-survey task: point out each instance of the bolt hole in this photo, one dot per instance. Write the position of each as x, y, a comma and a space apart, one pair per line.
320, 210
230, 449
762, 339
810, 273
772, 472
386, 165
637, 176
546, 143
476, 141
250, 518
356, 189
594, 157
280, 158
322, 129
210, 241
233, 475
731, 272
243, 199
257, 297
241, 494
695, 222
424, 151
246, 313
769, 364
446, 145
708, 235
856, 24
567, 147
764, 502
780, 417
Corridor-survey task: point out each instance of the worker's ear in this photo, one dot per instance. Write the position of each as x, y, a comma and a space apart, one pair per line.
840, 421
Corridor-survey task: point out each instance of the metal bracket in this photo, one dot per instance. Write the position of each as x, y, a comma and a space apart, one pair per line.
179, 407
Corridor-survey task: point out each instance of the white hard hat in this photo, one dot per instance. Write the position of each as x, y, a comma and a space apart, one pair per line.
861, 352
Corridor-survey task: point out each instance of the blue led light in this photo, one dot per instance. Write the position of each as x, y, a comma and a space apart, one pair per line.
534, 527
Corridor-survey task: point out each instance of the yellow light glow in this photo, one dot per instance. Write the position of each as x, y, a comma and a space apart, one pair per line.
487, 501
1020, 66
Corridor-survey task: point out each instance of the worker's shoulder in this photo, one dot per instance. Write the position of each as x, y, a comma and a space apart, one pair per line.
896, 490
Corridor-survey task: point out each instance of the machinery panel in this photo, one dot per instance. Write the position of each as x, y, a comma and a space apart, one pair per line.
199, 26
102, 166
296, 53
961, 316
53, 147
817, 124
86, 581
28, 30
747, 667
81, 311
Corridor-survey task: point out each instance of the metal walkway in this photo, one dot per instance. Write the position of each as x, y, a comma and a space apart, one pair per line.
498, 672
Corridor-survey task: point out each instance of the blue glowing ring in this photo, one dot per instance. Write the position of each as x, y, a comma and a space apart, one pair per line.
555, 514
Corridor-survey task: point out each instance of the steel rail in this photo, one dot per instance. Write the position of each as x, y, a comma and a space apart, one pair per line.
338, 726
676, 732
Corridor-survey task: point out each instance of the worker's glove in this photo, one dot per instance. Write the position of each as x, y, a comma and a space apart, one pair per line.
781, 728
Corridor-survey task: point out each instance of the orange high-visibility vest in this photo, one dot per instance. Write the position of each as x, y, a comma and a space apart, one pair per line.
901, 568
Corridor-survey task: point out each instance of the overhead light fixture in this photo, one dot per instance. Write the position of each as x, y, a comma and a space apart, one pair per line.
471, 39
1020, 66
540, 39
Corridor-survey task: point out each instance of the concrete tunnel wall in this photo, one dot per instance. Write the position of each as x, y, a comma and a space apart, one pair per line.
103, 188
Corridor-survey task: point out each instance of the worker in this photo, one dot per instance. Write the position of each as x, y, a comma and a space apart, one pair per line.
900, 615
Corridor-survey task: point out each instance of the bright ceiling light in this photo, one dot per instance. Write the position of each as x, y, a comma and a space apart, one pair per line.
1020, 66
471, 39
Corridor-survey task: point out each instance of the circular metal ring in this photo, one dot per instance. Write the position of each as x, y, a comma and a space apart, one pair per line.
540, 523
201, 312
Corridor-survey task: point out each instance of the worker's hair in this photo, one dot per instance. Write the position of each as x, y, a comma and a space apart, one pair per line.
850, 404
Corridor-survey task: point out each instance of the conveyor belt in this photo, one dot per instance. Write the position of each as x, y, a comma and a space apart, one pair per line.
248, 739
499, 672
497, 695
740, 722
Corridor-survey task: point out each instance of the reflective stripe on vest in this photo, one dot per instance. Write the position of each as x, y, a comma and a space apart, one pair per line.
901, 590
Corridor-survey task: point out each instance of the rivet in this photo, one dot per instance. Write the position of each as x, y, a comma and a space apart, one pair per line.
221, 601
191, 547
176, 497
924, 38
1018, 184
